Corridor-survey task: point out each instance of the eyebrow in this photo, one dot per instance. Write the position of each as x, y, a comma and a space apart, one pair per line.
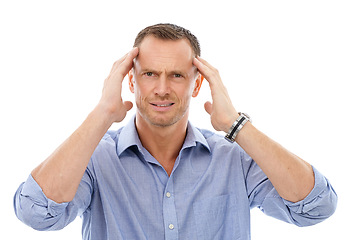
149, 70
159, 72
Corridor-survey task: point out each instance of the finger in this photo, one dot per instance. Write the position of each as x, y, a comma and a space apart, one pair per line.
128, 105
132, 54
200, 66
127, 62
205, 63
208, 106
208, 72
118, 62
123, 58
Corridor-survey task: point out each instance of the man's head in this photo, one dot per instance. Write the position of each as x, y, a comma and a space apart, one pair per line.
163, 77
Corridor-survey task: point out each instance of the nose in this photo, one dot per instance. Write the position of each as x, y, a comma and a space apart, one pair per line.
162, 87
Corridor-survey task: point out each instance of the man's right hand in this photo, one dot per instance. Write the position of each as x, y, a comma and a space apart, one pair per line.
111, 100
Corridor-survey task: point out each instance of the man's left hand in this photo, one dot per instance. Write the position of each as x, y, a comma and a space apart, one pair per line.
222, 112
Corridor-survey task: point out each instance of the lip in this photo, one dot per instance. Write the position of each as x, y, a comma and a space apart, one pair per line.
162, 106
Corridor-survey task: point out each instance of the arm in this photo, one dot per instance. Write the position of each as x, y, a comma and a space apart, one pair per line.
292, 177
60, 174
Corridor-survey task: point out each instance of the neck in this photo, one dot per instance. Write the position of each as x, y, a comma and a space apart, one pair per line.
163, 143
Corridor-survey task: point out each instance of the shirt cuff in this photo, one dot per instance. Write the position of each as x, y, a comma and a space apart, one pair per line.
33, 191
309, 203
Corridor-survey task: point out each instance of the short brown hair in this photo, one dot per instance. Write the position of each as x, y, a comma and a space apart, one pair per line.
167, 31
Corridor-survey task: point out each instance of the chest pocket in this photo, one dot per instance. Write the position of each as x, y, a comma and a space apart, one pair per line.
217, 218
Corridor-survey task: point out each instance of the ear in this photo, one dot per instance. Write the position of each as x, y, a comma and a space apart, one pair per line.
198, 85
131, 81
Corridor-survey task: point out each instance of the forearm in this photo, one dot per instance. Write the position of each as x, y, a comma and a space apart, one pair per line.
292, 177
60, 174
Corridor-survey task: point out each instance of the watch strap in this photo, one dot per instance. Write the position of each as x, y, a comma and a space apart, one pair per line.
237, 126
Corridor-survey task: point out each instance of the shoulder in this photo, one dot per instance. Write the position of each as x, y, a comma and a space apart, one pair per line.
217, 141
112, 135
220, 146
108, 142
105, 152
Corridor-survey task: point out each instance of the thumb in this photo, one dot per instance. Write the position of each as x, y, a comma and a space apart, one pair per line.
128, 105
208, 106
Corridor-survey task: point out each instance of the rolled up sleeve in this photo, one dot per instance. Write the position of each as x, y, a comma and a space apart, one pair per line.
34, 209
316, 207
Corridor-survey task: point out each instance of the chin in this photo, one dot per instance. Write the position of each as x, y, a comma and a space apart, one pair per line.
162, 121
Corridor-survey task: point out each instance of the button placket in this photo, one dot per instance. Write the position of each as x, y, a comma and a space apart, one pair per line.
169, 212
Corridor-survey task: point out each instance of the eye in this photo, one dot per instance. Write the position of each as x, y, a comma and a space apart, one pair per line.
149, 74
177, 75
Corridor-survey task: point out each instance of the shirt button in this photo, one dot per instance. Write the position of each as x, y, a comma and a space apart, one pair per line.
168, 194
171, 226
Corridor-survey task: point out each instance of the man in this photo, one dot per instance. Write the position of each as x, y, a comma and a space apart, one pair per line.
159, 177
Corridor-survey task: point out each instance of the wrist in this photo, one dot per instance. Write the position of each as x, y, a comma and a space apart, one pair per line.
237, 125
104, 113
229, 122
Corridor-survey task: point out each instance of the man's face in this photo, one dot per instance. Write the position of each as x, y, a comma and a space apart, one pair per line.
163, 80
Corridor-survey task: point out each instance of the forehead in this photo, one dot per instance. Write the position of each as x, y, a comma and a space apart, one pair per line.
161, 54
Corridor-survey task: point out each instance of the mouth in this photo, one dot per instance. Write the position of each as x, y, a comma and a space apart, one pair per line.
162, 105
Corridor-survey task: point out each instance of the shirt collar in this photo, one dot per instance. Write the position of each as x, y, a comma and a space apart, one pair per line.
129, 137
193, 137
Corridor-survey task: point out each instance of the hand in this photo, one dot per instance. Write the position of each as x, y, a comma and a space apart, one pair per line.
111, 99
221, 111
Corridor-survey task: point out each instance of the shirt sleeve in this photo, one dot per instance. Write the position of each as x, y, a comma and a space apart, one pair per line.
316, 207
41, 213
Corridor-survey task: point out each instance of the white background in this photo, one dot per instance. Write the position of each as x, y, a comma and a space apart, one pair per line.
283, 62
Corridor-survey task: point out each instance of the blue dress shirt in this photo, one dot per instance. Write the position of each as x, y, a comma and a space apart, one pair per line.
126, 194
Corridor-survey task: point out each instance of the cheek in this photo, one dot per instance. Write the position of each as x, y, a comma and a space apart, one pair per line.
185, 93
141, 92
190, 88
138, 94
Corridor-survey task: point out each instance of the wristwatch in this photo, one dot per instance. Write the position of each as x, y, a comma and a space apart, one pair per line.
237, 126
